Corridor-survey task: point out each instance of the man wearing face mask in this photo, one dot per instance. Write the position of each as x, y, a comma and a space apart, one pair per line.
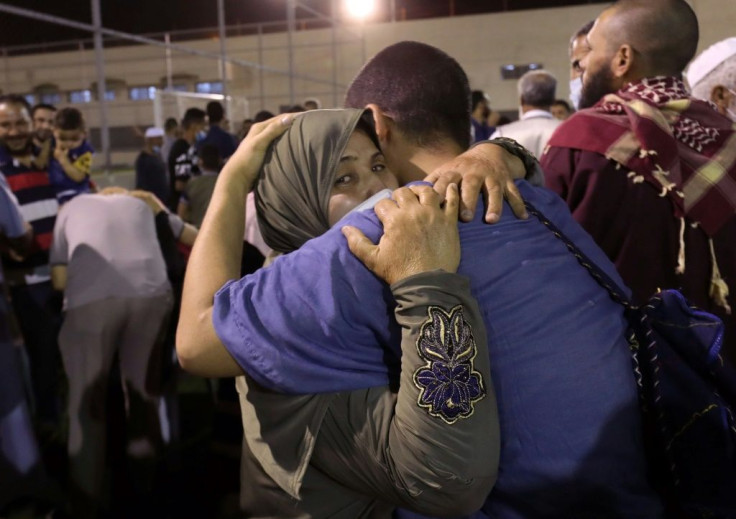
150, 170
712, 76
577, 50
648, 170
183, 160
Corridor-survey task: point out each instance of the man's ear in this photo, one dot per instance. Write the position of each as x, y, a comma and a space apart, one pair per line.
721, 96
623, 61
382, 122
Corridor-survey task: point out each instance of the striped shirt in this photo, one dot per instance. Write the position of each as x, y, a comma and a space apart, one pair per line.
38, 206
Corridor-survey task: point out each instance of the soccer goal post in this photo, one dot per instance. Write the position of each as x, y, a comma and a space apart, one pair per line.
172, 103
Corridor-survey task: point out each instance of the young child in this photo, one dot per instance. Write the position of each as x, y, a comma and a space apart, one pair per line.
72, 160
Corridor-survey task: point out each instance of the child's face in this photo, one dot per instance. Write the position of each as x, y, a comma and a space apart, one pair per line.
69, 139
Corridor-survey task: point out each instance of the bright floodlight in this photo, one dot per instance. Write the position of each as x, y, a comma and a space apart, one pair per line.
360, 9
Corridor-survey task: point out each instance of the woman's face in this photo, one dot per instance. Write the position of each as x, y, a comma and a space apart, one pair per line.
362, 173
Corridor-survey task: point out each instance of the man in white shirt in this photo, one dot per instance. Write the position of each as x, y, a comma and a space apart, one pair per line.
536, 124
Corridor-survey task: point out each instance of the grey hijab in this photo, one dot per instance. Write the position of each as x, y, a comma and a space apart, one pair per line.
293, 191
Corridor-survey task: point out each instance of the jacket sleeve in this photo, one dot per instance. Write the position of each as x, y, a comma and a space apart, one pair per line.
432, 446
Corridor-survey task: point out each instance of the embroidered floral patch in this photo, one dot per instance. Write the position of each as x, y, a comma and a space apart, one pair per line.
448, 385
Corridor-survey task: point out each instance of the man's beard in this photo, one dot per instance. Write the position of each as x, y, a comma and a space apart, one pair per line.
598, 85
18, 146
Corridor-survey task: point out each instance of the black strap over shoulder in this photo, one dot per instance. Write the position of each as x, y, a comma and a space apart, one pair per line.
687, 394
616, 293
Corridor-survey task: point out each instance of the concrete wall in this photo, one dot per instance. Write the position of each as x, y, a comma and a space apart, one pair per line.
481, 43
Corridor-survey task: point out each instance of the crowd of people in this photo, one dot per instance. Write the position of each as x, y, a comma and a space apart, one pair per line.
431, 350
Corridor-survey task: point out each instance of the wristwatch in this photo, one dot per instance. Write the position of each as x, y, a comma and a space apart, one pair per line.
534, 172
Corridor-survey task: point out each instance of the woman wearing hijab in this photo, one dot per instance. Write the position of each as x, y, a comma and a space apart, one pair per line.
423, 437
561, 364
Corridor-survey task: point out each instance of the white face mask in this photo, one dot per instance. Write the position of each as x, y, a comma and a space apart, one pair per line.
371, 202
576, 91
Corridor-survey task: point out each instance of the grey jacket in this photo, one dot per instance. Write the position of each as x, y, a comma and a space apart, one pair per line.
361, 453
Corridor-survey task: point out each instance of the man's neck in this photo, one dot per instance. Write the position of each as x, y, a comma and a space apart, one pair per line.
421, 162
529, 108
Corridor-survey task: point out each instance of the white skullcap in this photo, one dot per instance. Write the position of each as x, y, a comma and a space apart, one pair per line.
154, 131
709, 59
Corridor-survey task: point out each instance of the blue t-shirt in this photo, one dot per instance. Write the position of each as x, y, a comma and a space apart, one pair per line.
65, 187
220, 139
317, 320
481, 131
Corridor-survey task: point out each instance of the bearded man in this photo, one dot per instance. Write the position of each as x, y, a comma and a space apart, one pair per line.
29, 278
648, 170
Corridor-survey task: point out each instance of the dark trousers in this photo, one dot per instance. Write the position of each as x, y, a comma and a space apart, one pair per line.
92, 335
40, 321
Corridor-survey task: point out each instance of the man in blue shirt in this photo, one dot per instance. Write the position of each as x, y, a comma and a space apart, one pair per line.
570, 428
217, 135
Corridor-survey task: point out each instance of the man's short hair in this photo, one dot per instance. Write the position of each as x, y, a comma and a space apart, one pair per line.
42, 106
564, 104
215, 112
69, 119
192, 116
477, 97
537, 88
424, 90
210, 157
664, 32
263, 115
15, 99
583, 31
170, 124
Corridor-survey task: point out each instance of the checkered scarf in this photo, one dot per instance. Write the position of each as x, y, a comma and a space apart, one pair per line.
663, 137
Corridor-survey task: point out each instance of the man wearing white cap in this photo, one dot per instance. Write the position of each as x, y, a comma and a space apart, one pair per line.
150, 170
712, 76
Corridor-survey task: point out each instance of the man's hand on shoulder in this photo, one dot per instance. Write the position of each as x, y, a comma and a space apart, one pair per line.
420, 234
487, 168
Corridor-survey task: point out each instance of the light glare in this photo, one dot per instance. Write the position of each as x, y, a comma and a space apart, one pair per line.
360, 9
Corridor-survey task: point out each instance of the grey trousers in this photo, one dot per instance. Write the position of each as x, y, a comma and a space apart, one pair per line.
90, 337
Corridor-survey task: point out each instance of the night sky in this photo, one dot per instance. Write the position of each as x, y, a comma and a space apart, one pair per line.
150, 16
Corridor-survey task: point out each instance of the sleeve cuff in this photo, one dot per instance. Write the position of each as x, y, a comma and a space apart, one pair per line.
439, 281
